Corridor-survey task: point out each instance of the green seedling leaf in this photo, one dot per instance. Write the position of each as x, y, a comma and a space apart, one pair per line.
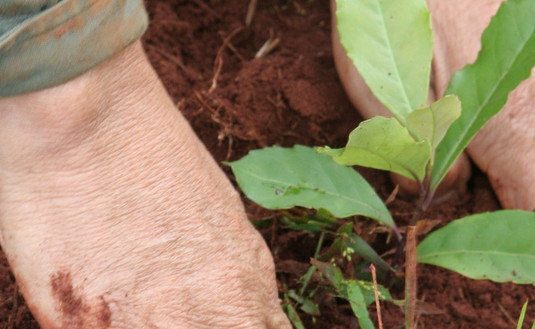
368, 291
360, 247
311, 227
354, 295
497, 246
307, 305
324, 216
314, 223
263, 223
292, 314
383, 143
306, 278
522, 315
331, 272
391, 45
505, 59
432, 122
282, 178
359, 293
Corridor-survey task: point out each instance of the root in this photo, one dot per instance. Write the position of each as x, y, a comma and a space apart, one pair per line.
218, 63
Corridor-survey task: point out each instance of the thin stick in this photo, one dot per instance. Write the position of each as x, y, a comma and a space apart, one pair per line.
232, 48
218, 63
411, 289
377, 304
267, 47
507, 315
251, 10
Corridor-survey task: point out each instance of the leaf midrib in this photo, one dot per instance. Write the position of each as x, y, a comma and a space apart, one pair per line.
390, 49
317, 189
475, 252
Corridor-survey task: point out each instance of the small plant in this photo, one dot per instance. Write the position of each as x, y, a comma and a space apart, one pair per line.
521, 317
420, 142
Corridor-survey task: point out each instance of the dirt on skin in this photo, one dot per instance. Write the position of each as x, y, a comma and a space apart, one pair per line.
235, 102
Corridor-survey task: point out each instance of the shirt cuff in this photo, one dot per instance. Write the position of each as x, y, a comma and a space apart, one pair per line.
57, 40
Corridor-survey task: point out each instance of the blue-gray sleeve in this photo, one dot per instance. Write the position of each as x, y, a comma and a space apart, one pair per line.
44, 43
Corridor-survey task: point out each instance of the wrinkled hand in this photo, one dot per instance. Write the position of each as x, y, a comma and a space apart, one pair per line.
114, 215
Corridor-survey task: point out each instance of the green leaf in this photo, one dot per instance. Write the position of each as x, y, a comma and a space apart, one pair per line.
331, 272
362, 248
309, 222
383, 143
366, 287
505, 59
282, 178
497, 246
292, 314
522, 315
391, 45
306, 278
307, 306
432, 122
355, 297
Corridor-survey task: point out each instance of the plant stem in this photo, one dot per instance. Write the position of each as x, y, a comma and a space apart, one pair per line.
320, 245
312, 269
377, 303
411, 280
415, 218
419, 209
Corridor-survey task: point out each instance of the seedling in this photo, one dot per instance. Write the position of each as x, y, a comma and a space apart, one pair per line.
420, 142
521, 317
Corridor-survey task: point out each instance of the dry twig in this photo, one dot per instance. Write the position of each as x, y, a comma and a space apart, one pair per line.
218, 63
411, 289
267, 47
507, 315
232, 48
392, 195
377, 304
251, 10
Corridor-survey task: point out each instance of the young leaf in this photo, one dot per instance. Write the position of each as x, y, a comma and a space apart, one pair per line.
383, 143
433, 121
349, 290
282, 178
522, 315
497, 246
292, 314
391, 45
362, 248
354, 295
307, 306
367, 289
505, 59
331, 272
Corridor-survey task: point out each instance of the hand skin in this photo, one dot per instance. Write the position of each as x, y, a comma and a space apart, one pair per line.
114, 215
505, 148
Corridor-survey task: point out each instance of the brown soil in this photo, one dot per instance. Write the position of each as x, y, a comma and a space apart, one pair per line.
291, 96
